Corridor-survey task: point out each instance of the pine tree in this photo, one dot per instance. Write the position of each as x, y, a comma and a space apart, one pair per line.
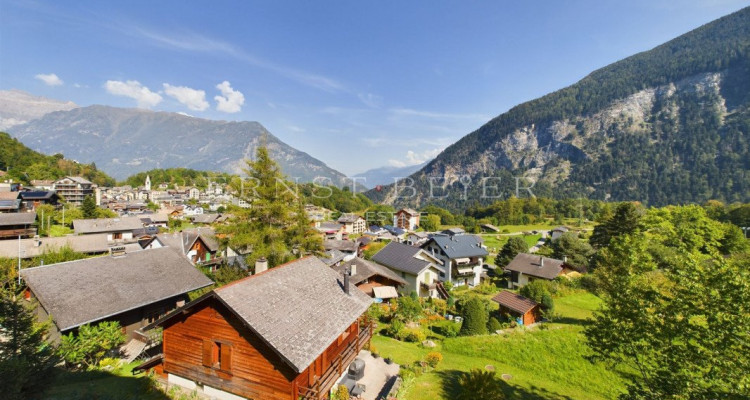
89, 208
510, 250
275, 226
475, 318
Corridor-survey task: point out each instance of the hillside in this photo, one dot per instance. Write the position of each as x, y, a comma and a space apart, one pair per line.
125, 141
385, 175
670, 125
23, 164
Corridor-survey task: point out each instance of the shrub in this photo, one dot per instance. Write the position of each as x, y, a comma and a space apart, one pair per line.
91, 343
494, 325
395, 327
486, 288
475, 318
439, 305
540, 292
341, 393
409, 309
479, 385
446, 328
433, 358
411, 335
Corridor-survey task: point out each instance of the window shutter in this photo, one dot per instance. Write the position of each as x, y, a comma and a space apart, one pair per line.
226, 357
207, 350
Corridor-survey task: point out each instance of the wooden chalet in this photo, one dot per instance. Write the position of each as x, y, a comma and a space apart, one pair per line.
525, 311
286, 333
525, 268
367, 276
13, 225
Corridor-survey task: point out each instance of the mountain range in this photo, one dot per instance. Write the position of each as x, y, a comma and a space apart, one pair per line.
665, 126
18, 107
124, 141
385, 175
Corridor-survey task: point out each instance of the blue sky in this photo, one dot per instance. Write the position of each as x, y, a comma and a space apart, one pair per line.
355, 84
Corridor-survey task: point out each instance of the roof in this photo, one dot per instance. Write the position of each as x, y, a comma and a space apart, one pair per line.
454, 231
530, 264
39, 195
349, 218
100, 225
298, 309
514, 301
490, 227
9, 195
76, 179
341, 245
409, 211
459, 246
35, 247
560, 229
367, 269
205, 218
395, 230
331, 257
184, 240
79, 292
385, 292
10, 219
329, 225
14, 204
401, 257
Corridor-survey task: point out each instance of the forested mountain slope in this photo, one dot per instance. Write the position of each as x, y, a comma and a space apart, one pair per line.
670, 125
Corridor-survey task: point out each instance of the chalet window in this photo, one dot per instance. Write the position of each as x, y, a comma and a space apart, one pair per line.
217, 355
117, 235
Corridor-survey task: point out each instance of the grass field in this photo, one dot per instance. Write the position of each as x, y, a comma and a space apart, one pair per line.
120, 384
546, 363
59, 230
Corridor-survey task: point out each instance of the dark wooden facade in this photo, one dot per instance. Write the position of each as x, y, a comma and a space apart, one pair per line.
201, 250
528, 318
209, 345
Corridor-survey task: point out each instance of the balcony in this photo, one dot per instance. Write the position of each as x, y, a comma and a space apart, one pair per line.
14, 233
338, 366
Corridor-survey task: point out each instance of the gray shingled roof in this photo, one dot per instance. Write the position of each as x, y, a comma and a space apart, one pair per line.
340, 245
79, 292
401, 257
83, 244
331, 257
188, 237
366, 270
530, 264
515, 302
349, 218
459, 246
205, 218
10, 219
102, 225
299, 308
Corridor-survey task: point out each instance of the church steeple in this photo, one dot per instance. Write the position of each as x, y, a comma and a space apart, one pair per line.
148, 183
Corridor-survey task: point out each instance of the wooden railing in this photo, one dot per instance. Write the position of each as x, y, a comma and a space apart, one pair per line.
13, 233
338, 366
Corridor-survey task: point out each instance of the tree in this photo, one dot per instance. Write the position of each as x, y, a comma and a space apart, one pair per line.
479, 385
227, 274
675, 309
409, 309
275, 226
475, 318
624, 220
91, 343
430, 223
538, 290
89, 208
576, 250
26, 361
510, 250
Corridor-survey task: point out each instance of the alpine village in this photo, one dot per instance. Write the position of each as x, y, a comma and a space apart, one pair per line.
589, 244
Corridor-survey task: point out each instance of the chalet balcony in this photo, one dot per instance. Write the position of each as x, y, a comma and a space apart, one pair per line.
13, 233
338, 366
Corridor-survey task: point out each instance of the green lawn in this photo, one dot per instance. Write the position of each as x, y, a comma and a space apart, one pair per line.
544, 363
120, 384
59, 230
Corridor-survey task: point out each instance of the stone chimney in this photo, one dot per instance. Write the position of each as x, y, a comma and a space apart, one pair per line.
353, 269
346, 282
261, 265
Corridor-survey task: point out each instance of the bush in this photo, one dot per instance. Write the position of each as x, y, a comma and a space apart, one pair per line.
486, 288
341, 393
395, 327
433, 358
411, 335
539, 291
91, 343
494, 325
446, 328
479, 385
409, 309
440, 306
475, 318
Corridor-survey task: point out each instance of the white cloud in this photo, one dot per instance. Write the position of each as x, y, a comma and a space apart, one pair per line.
370, 100
231, 100
414, 158
50, 79
194, 99
133, 89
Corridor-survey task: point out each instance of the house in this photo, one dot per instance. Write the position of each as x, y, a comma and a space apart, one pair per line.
462, 257
525, 311
524, 268
330, 230
121, 229
31, 200
353, 224
193, 193
198, 245
191, 211
348, 247
557, 232
42, 184
35, 247
396, 232
286, 333
417, 238
332, 258
10, 202
489, 228
133, 289
406, 218
156, 220
372, 278
73, 189
205, 219
417, 267
15, 225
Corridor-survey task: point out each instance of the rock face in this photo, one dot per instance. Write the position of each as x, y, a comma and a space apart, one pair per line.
123, 141
671, 125
18, 107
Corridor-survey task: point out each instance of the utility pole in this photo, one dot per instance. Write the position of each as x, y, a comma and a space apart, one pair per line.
19, 260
